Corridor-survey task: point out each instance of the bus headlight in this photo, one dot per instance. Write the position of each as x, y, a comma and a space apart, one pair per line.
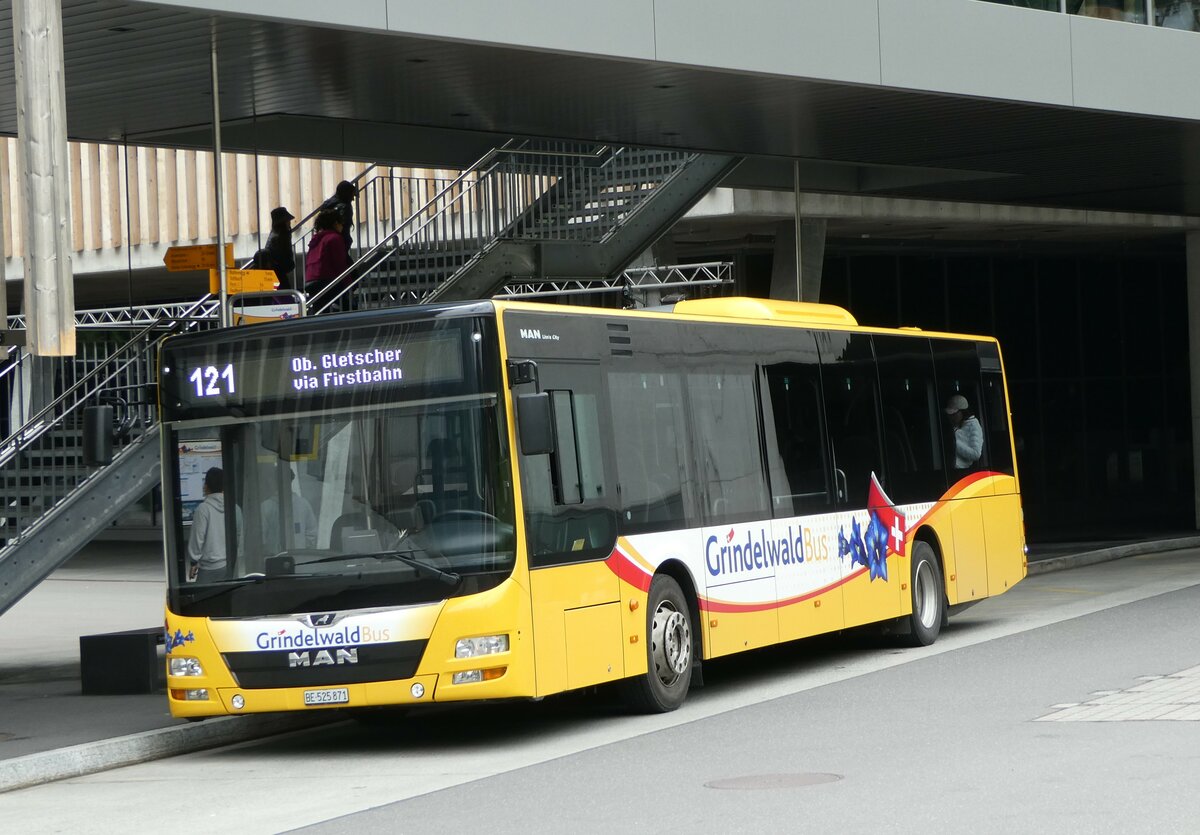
186, 667
476, 676
200, 695
487, 645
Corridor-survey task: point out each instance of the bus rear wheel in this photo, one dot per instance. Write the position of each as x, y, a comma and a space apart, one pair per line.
928, 597
669, 650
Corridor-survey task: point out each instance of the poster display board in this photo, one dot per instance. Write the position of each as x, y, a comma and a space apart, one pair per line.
195, 459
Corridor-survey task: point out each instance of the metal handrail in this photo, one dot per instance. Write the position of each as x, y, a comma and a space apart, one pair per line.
79, 384
472, 180
296, 226
486, 160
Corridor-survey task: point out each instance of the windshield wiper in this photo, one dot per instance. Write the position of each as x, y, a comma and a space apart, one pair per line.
208, 591
450, 578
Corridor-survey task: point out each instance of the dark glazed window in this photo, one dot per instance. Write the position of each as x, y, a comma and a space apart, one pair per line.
908, 393
795, 441
568, 508
995, 410
727, 454
649, 440
849, 382
964, 437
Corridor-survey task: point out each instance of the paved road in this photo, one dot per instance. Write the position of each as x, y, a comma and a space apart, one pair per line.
970, 734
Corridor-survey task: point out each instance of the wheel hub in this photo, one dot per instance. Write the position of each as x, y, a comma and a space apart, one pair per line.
924, 595
671, 643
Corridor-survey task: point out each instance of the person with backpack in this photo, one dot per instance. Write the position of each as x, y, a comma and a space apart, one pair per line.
327, 256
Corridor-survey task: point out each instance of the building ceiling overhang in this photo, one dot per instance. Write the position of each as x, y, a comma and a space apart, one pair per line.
140, 73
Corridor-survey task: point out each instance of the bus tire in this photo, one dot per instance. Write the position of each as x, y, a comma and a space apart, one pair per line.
670, 651
928, 597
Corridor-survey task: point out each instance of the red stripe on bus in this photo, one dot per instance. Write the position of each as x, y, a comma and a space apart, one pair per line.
628, 570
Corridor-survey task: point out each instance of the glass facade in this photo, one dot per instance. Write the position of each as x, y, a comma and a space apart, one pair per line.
1171, 14
1129, 11
1096, 354
1178, 14
1044, 5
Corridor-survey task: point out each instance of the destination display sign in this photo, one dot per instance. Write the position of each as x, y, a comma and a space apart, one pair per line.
364, 363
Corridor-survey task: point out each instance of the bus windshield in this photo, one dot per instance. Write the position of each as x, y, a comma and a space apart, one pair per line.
349, 506
390, 497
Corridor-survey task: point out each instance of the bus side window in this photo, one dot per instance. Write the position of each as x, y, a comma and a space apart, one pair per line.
911, 429
567, 505
795, 439
995, 409
648, 425
726, 448
958, 380
850, 383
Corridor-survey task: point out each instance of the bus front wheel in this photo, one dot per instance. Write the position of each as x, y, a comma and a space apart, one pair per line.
669, 650
928, 597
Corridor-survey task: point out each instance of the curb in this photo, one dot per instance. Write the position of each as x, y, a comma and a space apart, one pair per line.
102, 755
1132, 549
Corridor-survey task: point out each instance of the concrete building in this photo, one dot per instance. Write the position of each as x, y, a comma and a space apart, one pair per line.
1025, 169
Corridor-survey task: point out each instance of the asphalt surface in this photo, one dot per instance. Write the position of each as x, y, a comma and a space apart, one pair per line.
951, 742
49, 731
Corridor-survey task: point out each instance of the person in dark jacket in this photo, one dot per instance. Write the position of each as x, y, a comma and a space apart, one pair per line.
280, 256
327, 256
343, 203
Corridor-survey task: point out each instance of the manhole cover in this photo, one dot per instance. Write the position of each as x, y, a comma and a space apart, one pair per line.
753, 782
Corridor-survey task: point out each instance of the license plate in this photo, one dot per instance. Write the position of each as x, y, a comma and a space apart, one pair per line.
334, 696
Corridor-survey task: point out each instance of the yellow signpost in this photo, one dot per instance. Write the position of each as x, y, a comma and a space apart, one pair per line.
180, 259
243, 281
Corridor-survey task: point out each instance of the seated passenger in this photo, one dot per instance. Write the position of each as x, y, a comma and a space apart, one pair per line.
968, 434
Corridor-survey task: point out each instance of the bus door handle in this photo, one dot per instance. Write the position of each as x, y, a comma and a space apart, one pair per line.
839, 481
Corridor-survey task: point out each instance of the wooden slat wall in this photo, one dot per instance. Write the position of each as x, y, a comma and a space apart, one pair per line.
161, 196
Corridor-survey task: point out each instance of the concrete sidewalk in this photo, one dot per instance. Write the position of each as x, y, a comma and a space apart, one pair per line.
50, 731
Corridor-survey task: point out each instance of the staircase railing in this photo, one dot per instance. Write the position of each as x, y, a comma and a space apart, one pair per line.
521, 191
46, 445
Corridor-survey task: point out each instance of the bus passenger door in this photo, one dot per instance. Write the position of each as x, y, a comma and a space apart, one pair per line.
570, 530
802, 499
850, 382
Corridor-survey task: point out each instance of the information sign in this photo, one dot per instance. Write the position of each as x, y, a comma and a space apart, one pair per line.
181, 259
243, 281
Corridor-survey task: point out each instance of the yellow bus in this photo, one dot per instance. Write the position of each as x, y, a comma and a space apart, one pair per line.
495, 500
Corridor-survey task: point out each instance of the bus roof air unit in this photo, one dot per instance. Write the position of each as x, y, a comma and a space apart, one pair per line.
741, 307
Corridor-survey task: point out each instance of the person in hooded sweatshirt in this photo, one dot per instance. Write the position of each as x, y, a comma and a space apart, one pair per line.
206, 545
342, 202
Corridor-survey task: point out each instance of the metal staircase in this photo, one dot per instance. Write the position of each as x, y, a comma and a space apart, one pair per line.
540, 219
528, 211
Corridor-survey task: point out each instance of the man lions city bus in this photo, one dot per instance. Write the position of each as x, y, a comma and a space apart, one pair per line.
495, 500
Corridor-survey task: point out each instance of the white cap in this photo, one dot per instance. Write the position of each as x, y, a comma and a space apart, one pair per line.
956, 403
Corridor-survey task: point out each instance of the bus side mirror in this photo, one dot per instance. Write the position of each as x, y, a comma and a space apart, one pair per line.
535, 424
